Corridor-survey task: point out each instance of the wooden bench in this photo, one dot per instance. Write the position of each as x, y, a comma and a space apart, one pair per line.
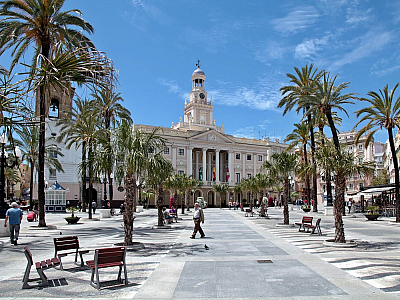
304, 221
248, 212
313, 227
65, 244
40, 267
105, 258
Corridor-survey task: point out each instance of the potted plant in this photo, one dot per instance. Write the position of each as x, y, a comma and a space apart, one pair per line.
72, 219
306, 208
372, 213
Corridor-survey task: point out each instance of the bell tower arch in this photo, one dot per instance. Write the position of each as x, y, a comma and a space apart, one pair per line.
57, 100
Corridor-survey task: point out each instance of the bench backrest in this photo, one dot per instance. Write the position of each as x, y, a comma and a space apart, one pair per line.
66, 243
110, 255
28, 255
307, 220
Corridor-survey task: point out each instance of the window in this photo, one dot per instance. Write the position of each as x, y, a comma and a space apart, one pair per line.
237, 177
248, 175
166, 150
260, 158
361, 186
180, 173
237, 155
54, 108
324, 188
360, 160
181, 151
248, 156
202, 119
52, 174
351, 187
360, 147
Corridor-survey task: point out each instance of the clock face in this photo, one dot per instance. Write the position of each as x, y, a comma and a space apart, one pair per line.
202, 96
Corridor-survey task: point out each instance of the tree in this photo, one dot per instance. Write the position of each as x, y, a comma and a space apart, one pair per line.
381, 177
137, 154
300, 136
161, 171
237, 189
175, 183
220, 189
42, 23
384, 112
29, 136
108, 106
280, 169
326, 99
343, 165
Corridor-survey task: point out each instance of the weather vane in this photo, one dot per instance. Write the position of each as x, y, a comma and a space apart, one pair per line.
198, 64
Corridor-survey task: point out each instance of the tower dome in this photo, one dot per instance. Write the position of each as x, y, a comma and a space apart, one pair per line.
198, 71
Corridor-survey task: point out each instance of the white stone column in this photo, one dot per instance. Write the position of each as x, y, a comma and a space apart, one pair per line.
217, 166
196, 175
204, 164
244, 165
189, 167
231, 168
173, 149
209, 170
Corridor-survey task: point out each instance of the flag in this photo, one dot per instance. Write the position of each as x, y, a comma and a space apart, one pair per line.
214, 176
227, 174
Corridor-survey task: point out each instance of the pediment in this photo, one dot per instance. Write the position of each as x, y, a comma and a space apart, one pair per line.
212, 136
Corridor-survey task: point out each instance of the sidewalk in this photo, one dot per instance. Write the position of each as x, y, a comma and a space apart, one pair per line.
247, 258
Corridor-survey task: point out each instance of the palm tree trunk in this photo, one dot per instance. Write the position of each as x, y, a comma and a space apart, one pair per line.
314, 176
42, 145
307, 176
110, 189
286, 201
396, 173
130, 194
31, 184
160, 201
84, 200
339, 204
183, 202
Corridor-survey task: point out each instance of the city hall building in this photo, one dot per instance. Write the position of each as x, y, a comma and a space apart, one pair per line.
196, 146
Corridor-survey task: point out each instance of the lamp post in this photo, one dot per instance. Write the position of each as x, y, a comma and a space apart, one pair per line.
3, 165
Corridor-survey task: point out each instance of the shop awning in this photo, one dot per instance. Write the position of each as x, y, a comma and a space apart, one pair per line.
376, 191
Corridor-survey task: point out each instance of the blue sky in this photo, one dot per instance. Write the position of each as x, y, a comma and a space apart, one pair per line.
245, 49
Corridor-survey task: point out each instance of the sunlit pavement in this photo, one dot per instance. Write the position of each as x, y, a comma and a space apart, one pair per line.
247, 257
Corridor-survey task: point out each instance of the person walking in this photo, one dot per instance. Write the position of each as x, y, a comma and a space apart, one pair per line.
94, 206
14, 214
198, 216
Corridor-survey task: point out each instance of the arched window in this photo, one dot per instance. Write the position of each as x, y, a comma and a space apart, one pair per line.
54, 108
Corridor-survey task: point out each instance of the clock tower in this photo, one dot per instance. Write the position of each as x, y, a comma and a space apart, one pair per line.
199, 111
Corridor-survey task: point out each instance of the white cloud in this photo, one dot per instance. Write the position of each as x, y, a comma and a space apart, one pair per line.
355, 16
259, 131
272, 50
310, 47
369, 43
297, 20
173, 87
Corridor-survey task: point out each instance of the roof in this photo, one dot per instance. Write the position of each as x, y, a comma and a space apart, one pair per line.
198, 71
376, 190
56, 186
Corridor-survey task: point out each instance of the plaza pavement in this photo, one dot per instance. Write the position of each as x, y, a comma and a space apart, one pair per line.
248, 258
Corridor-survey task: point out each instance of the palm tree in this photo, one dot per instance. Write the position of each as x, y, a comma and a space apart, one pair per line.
383, 111
303, 86
160, 172
175, 183
69, 127
220, 189
262, 182
342, 165
29, 136
109, 107
191, 183
237, 189
42, 23
300, 136
280, 169
137, 155
326, 99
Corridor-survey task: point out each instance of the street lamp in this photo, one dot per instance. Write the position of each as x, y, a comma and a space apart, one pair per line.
3, 165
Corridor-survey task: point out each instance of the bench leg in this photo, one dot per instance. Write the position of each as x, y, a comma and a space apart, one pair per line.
43, 277
119, 274
125, 275
92, 283
319, 230
97, 279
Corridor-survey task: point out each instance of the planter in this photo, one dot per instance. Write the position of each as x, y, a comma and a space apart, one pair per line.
72, 220
372, 217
